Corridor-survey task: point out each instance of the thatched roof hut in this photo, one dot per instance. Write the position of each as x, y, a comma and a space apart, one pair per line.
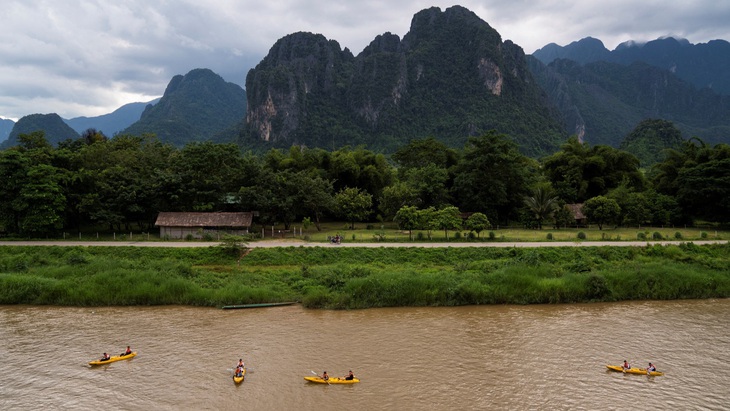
197, 225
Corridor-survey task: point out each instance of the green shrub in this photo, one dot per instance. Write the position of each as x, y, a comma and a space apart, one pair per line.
189, 237
703, 234
641, 236
549, 236
457, 235
678, 235
492, 236
656, 235
581, 235
77, 257
420, 236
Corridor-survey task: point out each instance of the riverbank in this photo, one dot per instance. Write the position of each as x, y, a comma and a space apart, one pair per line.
350, 277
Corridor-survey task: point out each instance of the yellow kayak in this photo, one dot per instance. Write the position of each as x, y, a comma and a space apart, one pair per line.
633, 370
239, 380
332, 380
113, 358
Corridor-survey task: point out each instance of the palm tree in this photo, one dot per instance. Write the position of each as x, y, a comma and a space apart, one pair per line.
542, 203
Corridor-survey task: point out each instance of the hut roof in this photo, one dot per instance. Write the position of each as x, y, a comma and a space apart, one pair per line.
170, 219
577, 210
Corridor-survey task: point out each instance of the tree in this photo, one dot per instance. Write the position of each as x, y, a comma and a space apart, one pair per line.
542, 203
448, 218
563, 217
395, 197
428, 220
352, 204
578, 172
430, 184
477, 222
492, 175
42, 201
420, 153
13, 174
601, 210
314, 195
407, 219
650, 138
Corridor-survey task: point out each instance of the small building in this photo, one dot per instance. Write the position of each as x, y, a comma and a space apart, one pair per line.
578, 216
198, 225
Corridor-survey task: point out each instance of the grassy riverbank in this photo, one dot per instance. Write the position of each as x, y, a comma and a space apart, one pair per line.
360, 277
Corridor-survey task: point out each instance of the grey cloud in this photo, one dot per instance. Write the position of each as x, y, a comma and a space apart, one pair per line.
88, 57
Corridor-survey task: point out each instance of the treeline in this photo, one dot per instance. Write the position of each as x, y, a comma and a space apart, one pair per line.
124, 182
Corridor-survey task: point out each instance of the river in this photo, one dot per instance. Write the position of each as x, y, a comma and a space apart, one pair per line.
543, 357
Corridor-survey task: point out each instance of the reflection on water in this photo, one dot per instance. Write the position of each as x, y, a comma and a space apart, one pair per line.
476, 357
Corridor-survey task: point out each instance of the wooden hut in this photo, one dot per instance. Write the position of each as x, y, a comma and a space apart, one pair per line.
577, 210
198, 225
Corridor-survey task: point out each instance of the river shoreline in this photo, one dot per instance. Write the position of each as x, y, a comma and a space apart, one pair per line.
336, 277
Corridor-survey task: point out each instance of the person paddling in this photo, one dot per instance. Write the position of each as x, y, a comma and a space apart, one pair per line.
105, 357
325, 376
350, 376
626, 365
651, 368
126, 352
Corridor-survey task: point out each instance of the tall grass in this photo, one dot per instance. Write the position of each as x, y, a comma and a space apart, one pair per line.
361, 277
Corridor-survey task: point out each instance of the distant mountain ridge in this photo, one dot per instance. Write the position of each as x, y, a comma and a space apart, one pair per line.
113, 122
602, 102
194, 107
704, 65
6, 126
450, 77
53, 126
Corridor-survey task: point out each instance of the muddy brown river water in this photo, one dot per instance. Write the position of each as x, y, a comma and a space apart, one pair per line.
546, 357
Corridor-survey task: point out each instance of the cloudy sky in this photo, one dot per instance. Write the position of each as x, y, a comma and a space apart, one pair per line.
89, 57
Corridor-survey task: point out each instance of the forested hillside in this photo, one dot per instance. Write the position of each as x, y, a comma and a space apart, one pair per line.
705, 65
194, 107
431, 83
602, 102
52, 125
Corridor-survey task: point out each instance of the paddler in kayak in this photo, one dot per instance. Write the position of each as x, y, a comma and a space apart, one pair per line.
324, 376
350, 376
126, 352
105, 357
650, 368
626, 365
239, 371
240, 363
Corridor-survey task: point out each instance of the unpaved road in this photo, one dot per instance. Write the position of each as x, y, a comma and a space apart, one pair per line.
297, 243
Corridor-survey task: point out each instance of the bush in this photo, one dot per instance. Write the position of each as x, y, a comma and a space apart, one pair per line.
457, 235
420, 236
549, 236
492, 236
471, 235
678, 235
641, 236
189, 237
703, 234
657, 235
581, 235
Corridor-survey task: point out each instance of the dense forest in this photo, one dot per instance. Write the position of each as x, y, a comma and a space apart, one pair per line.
124, 182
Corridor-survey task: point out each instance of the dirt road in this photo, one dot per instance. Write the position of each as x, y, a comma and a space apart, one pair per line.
297, 243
